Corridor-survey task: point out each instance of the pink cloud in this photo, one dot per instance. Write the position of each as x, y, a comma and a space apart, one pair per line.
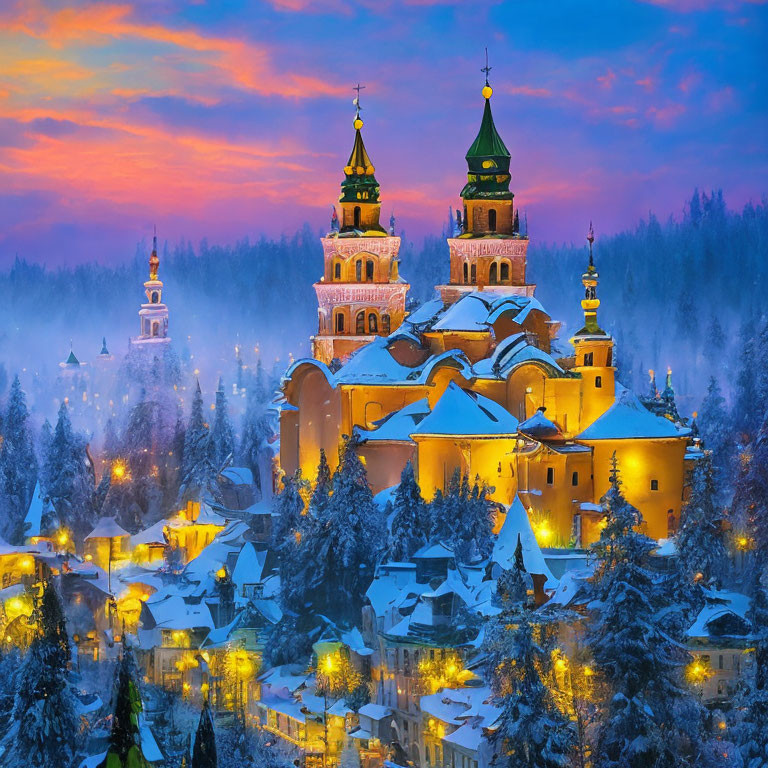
689, 82
607, 80
647, 82
665, 116
527, 90
719, 100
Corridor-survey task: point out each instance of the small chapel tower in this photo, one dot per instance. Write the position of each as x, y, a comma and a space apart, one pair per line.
594, 349
361, 294
487, 251
153, 316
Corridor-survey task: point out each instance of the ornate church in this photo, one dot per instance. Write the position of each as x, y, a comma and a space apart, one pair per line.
468, 381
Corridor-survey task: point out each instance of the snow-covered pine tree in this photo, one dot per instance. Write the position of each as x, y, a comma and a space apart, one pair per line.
70, 477
751, 730
111, 445
18, 464
256, 428
45, 722
204, 750
750, 499
648, 717
288, 508
700, 543
353, 536
744, 416
531, 731
196, 469
716, 432
410, 522
125, 749
222, 443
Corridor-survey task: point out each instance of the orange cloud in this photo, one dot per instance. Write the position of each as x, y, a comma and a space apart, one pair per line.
238, 62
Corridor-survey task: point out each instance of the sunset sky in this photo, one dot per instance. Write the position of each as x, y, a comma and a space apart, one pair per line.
232, 118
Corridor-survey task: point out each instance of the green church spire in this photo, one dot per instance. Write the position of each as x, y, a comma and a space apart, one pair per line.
359, 183
488, 157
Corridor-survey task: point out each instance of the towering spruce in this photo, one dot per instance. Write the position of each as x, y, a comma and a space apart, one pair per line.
222, 434
196, 470
18, 464
648, 718
410, 525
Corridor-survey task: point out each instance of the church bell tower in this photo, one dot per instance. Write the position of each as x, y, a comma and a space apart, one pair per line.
487, 251
153, 315
361, 294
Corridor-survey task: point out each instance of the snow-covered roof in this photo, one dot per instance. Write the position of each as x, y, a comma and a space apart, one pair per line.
462, 412
425, 313
477, 311
517, 524
719, 605
34, 518
509, 354
398, 425
374, 711
152, 535
540, 427
208, 516
107, 528
249, 567
238, 475
432, 551
173, 612
629, 418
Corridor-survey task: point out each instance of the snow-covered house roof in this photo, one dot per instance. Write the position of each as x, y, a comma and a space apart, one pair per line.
173, 612
724, 615
398, 425
152, 535
540, 427
238, 475
628, 418
249, 566
517, 524
462, 412
374, 711
107, 528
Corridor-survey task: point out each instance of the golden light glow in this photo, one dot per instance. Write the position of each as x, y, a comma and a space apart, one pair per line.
88, 558
27, 565
119, 472
222, 572
698, 671
543, 533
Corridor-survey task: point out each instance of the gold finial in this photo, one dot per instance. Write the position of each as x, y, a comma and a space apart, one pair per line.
487, 90
358, 123
154, 261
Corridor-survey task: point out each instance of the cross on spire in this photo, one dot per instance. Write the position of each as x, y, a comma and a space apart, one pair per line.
357, 88
590, 240
486, 69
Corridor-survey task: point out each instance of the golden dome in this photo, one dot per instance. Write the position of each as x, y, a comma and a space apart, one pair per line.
358, 123
487, 91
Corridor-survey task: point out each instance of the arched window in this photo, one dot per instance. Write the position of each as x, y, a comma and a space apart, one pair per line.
357, 217
155, 329
373, 323
385, 325
358, 271
473, 274
504, 271
339, 322
598, 382
369, 271
155, 297
360, 323
466, 221
466, 273
492, 220
493, 276
337, 271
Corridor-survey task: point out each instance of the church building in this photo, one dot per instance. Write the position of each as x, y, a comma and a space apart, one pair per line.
468, 381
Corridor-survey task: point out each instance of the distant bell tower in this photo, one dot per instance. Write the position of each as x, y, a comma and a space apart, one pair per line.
153, 316
487, 251
594, 350
361, 294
